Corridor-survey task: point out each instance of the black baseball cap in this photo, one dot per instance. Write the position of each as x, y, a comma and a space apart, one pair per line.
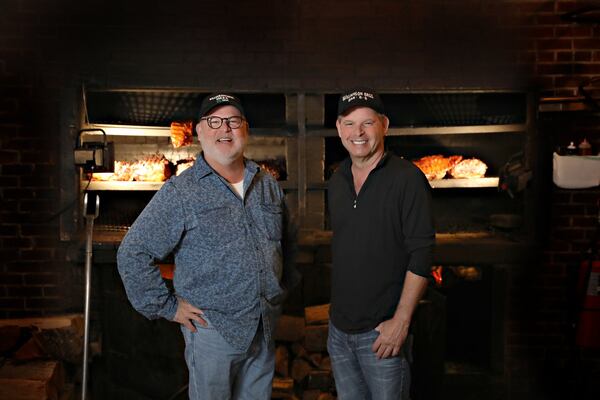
360, 97
219, 99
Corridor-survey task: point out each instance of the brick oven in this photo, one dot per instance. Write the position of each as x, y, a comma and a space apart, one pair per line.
460, 333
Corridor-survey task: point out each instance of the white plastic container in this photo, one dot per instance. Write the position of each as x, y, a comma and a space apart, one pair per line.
576, 172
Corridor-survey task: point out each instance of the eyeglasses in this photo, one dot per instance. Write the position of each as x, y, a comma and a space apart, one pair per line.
215, 122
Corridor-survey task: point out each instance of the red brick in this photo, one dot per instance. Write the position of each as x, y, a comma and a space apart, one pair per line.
36, 205
574, 31
9, 181
42, 279
555, 269
548, 19
561, 197
564, 56
27, 266
36, 181
8, 303
557, 245
17, 194
555, 44
567, 6
10, 279
564, 210
17, 169
44, 303
13, 218
8, 230
545, 56
52, 291
50, 241
586, 44
9, 157
16, 243
25, 291
583, 56
534, 7
585, 222
18, 143
36, 230
589, 69
36, 157
38, 254
586, 197
554, 69
568, 258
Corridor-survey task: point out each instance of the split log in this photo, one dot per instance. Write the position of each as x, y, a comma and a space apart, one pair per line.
326, 396
316, 315
299, 351
68, 392
325, 364
39, 380
282, 361
31, 350
321, 380
316, 338
315, 359
9, 338
52, 322
311, 394
283, 388
60, 336
289, 328
300, 369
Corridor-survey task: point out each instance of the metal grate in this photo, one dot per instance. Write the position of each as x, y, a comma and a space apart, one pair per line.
142, 108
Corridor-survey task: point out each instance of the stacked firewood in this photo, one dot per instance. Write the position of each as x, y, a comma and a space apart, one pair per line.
302, 366
34, 353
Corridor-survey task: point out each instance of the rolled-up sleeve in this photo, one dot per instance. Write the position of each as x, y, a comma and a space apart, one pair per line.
418, 228
153, 236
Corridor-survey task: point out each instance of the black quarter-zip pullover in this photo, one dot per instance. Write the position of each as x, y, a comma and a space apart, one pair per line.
378, 235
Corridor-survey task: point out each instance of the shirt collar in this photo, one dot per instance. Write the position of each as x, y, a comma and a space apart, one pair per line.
202, 169
346, 165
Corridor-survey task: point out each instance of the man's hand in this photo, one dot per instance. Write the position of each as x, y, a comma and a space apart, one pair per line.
392, 334
187, 313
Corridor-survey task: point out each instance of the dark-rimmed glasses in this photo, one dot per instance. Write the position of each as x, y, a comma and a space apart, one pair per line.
215, 122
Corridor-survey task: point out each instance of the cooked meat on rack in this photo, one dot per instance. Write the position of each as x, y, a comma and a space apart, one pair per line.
181, 133
271, 167
469, 168
182, 165
155, 168
436, 166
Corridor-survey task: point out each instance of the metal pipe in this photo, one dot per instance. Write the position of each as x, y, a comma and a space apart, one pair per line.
89, 217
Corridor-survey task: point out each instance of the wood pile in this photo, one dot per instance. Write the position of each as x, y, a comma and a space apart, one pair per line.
302, 365
33, 352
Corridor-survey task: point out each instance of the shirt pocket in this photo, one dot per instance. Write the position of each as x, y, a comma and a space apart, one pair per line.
273, 220
214, 227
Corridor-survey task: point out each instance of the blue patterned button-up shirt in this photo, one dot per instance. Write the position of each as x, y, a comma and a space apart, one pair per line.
228, 251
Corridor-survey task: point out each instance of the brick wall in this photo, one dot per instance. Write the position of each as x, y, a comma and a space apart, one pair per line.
285, 45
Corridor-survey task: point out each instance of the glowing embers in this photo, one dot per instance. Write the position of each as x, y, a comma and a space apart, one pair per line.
448, 276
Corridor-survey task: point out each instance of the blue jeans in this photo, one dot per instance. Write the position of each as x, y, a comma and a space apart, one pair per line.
359, 375
219, 372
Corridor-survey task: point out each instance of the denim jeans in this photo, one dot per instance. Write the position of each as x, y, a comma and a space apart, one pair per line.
359, 375
217, 371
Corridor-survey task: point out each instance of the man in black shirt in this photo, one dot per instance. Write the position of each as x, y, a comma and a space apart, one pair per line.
383, 237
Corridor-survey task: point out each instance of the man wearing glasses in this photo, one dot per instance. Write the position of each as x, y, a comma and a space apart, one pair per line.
225, 221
